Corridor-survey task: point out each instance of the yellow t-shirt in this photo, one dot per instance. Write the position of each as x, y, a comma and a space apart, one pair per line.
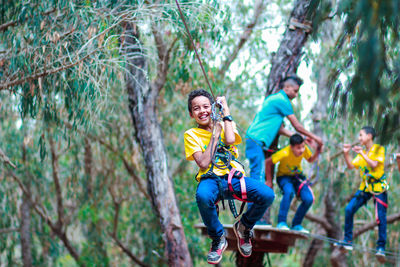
376, 153
289, 164
197, 139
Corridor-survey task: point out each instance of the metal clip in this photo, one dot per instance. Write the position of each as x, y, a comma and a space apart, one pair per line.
215, 114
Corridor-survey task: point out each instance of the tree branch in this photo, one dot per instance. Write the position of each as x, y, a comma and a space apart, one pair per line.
130, 169
314, 218
54, 164
128, 252
371, 225
8, 230
117, 206
55, 229
163, 57
6, 160
245, 36
5, 26
43, 73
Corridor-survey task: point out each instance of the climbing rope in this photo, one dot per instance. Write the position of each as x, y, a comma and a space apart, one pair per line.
195, 49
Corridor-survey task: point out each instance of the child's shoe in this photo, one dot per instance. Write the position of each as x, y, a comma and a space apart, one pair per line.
218, 247
300, 228
380, 254
243, 236
348, 245
282, 226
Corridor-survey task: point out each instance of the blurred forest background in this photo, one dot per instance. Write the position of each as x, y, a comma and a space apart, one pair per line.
93, 109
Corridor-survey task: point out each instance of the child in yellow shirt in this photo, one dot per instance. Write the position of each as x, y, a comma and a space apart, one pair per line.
217, 182
291, 180
370, 162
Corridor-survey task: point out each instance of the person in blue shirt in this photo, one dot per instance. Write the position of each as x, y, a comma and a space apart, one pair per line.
268, 122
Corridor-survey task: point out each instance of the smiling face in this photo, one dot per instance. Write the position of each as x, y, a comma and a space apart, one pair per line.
298, 149
201, 111
291, 88
364, 138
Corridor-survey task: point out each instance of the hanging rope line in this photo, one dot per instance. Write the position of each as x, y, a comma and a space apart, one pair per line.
389, 253
194, 47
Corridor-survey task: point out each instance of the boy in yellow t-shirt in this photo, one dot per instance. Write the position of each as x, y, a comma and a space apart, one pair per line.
214, 183
370, 162
291, 180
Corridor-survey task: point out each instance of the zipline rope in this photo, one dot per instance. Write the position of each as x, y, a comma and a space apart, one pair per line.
194, 47
389, 253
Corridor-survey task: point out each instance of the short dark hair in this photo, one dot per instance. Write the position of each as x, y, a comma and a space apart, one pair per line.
294, 78
296, 139
369, 130
195, 93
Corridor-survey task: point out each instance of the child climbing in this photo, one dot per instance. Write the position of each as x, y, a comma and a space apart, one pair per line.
292, 181
398, 160
370, 161
268, 123
218, 183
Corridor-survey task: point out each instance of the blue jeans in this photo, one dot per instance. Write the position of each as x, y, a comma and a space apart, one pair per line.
360, 199
207, 195
255, 154
289, 186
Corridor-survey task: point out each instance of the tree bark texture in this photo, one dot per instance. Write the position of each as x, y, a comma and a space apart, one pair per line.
25, 231
287, 58
25, 224
142, 98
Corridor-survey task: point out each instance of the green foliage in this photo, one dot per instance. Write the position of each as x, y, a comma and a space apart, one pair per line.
367, 73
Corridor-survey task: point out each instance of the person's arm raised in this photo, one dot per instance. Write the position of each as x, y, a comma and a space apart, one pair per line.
346, 149
299, 128
285, 132
203, 159
228, 127
371, 163
317, 150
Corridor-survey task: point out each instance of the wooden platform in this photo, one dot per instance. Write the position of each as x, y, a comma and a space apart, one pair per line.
266, 238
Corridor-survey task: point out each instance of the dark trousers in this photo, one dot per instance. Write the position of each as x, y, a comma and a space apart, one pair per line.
289, 186
360, 199
208, 193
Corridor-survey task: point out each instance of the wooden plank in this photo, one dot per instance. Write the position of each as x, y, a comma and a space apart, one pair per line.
266, 238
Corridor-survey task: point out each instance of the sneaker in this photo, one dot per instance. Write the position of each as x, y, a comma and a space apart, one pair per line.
348, 245
282, 226
380, 253
300, 228
218, 247
243, 236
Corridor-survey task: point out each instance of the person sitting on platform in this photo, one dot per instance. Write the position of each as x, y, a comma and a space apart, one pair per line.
214, 182
292, 181
371, 163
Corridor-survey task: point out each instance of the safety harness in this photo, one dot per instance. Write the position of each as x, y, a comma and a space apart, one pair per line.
371, 180
226, 154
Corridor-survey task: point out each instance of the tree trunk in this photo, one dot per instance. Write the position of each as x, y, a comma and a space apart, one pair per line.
319, 113
25, 225
142, 106
25, 231
256, 260
287, 58
286, 61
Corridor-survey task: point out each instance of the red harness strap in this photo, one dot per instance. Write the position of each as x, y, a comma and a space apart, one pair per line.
380, 201
242, 185
305, 182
